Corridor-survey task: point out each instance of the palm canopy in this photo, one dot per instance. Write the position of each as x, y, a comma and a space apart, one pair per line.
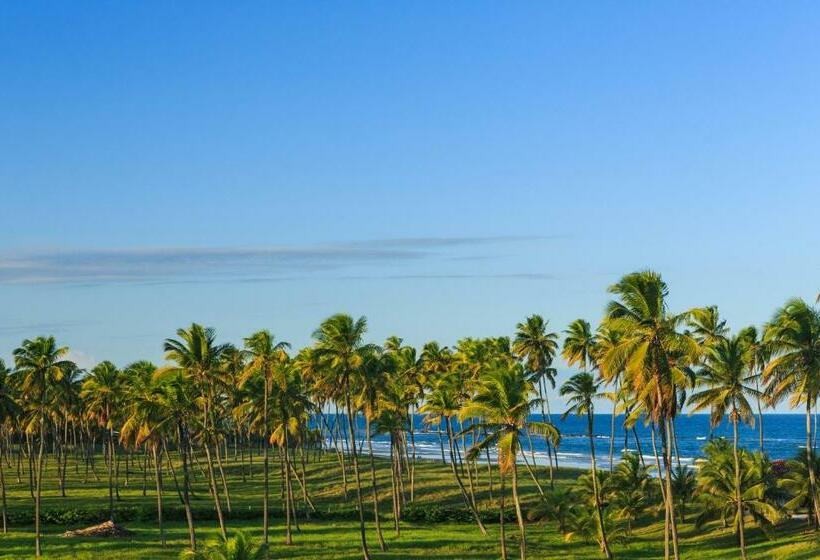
727, 377
794, 338
536, 347
579, 344
503, 401
706, 325
102, 390
582, 390
40, 363
263, 352
195, 352
652, 354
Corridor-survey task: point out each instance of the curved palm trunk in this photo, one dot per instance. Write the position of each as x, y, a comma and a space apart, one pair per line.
738, 495
810, 457
376, 515
612, 439
519, 517
759, 415
454, 468
355, 460
596, 490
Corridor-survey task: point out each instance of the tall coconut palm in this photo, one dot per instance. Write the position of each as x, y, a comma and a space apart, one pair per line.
40, 363
503, 403
654, 357
102, 391
537, 348
340, 345
794, 338
582, 390
728, 384
757, 357
197, 356
264, 354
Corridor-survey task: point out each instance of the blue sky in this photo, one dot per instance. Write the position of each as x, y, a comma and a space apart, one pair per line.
444, 170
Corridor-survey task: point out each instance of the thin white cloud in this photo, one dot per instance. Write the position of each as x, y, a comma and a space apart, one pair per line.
97, 266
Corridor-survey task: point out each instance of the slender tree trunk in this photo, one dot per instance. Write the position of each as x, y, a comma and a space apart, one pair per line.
460, 484
810, 464
518, 515
759, 415
612, 438
186, 484
738, 495
158, 477
111, 473
667, 458
39, 481
3, 491
596, 490
376, 515
544, 418
355, 460
266, 463
663, 495
286, 479
501, 517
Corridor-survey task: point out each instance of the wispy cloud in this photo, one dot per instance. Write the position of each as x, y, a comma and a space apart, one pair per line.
95, 266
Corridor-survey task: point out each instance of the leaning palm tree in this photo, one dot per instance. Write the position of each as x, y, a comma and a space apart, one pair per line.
102, 392
40, 363
503, 403
654, 357
582, 390
264, 354
537, 348
727, 382
794, 338
340, 347
197, 357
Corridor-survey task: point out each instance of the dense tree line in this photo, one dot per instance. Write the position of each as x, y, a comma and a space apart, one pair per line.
486, 398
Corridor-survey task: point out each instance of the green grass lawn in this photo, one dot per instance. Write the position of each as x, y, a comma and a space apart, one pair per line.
337, 537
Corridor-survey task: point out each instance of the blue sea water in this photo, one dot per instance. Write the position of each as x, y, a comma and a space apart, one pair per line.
785, 435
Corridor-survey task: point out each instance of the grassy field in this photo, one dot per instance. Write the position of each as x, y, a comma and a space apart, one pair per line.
336, 537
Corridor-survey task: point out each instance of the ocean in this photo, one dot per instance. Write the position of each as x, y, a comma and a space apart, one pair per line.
785, 435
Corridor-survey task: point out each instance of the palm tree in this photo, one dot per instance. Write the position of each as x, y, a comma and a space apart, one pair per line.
444, 401
102, 393
340, 346
41, 364
264, 354
654, 358
684, 483
582, 390
502, 401
794, 338
726, 377
757, 357
537, 348
371, 384
579, 345
9, 411
147, 421
197, 357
